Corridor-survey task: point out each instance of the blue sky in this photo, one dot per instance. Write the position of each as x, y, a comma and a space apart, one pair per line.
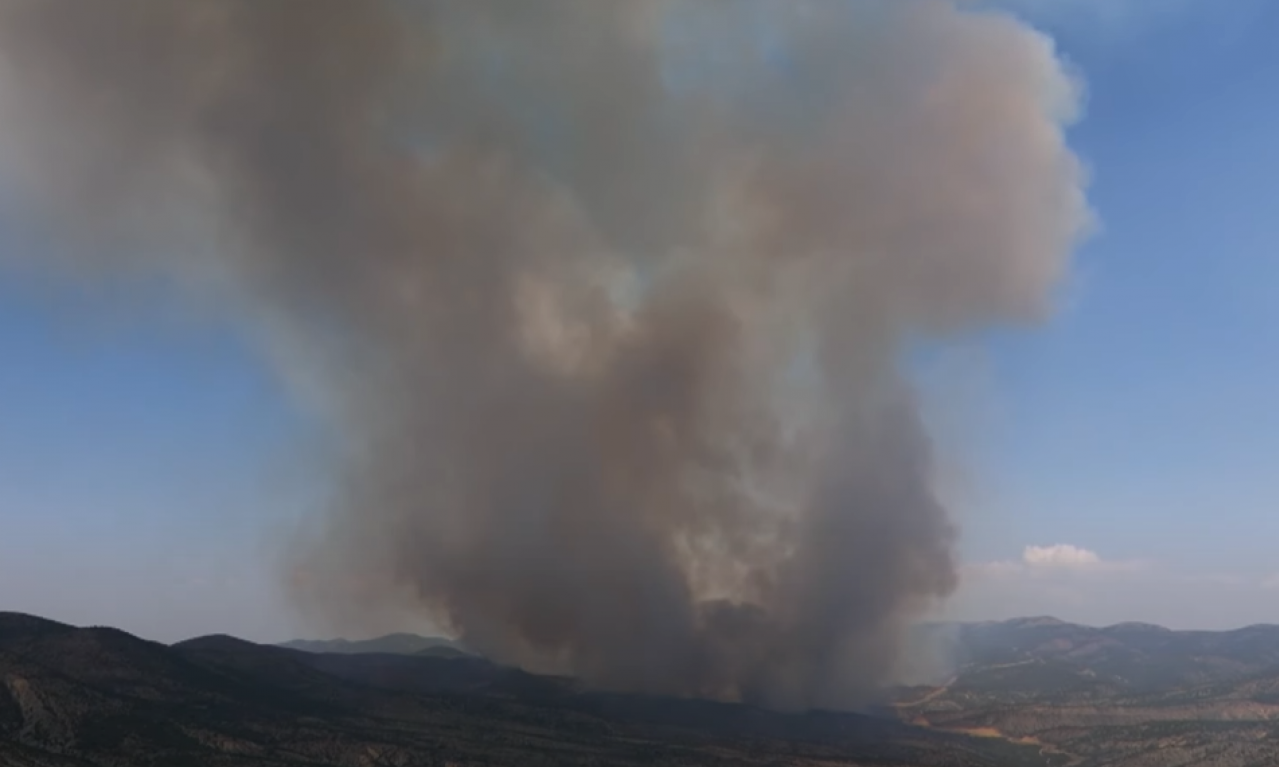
146, 469
1140, 423
144, 465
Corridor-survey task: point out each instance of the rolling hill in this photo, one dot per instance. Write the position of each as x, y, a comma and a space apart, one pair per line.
98, 697
1033, 692
1131, 695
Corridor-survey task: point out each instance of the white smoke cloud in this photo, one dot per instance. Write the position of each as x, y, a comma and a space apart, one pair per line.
639, 492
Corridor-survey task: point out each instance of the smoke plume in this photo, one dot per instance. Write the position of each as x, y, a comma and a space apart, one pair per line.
607, 300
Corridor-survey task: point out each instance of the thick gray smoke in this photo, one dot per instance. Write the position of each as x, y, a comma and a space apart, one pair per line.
608, 299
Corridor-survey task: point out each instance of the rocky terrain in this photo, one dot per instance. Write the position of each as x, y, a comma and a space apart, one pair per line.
98, 697
1130, 695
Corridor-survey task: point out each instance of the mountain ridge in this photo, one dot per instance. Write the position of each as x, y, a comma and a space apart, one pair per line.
1031, 692
96, 697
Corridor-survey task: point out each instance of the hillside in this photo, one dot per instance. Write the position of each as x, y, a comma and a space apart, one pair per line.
96, 697
1129, 695
1034, 692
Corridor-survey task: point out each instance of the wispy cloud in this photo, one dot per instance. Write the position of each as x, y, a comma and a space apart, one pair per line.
1060, 557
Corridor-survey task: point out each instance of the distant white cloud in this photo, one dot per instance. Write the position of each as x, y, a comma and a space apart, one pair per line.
1078, 584
1060, 555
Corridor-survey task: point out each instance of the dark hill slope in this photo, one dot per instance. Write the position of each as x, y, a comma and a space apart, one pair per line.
102, 698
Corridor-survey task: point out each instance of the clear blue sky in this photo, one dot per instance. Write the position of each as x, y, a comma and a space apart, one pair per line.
145, 468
